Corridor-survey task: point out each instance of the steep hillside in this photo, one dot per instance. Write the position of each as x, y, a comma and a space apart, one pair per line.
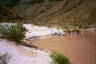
47, 10
9, 15
56, 12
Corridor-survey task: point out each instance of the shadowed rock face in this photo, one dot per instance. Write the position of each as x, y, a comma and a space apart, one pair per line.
9, 2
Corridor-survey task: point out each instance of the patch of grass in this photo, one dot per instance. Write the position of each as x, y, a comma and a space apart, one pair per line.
59, 59
13, 32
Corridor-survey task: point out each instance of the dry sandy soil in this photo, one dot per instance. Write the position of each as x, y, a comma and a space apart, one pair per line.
81, 49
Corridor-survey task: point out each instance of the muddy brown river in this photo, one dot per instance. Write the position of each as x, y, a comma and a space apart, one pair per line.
81, 49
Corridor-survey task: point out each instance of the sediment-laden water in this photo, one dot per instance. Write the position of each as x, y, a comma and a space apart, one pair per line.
81, 49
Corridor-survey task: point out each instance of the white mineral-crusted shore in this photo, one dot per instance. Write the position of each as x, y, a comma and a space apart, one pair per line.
37, 31
41, 31
23, 55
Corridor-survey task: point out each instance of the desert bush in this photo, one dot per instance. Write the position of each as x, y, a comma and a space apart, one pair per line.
13, 32
59, 59
4, 59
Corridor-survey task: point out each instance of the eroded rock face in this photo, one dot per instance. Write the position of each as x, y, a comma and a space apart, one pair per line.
22, 54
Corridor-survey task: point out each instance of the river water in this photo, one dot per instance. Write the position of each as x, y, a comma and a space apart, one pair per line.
81, 49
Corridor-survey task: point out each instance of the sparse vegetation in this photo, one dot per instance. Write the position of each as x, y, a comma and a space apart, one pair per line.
8, 15
59, 59
4, 59
14, 32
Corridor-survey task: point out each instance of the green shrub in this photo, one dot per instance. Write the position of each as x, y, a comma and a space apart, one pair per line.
59, 59
12, 32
